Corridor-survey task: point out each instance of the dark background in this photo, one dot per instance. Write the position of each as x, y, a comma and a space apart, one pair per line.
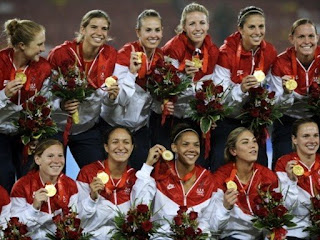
61, 18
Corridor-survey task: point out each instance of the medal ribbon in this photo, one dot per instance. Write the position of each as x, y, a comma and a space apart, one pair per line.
110, 186
189, 175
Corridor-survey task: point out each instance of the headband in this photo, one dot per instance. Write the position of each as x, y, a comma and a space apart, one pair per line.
250, 11
184, 130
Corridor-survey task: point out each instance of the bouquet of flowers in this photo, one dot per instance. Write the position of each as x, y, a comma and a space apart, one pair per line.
136, 224
185, 226
70, 83
260, 111
314, 98
271, 214
207, 108
165, 85
68, 227
35, 121
314, 229
15, 230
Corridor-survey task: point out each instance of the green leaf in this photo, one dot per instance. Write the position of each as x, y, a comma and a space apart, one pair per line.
205, 124
25, 139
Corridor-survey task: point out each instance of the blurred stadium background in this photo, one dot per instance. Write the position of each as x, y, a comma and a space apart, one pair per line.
61, 19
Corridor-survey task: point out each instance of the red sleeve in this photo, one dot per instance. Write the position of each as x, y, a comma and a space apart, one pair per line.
174, 48
61, 56
124, 53
282, 163
4, 197
83, 175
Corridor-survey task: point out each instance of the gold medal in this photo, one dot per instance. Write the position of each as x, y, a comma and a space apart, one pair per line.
197, 62
51, 190
21, 76
139, 57
110, 81
291, 84
167, 155
259, 75
104, 177
298, 170
232, 185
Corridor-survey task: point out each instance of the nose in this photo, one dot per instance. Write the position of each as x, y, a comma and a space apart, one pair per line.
42, 48
198, 26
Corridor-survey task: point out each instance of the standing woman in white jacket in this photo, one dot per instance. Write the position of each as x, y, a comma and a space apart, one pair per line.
132, 70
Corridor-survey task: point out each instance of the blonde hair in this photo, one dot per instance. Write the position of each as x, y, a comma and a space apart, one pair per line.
147, 13
190, 8
87, 18
231, 143
21, 31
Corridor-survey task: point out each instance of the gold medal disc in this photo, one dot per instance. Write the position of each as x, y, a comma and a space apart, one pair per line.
298, 170
51, 190
21, 76
104, 177
259, 75
232, 185
167, 155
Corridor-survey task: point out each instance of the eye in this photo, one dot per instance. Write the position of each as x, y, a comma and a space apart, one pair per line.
158, 29
61, 155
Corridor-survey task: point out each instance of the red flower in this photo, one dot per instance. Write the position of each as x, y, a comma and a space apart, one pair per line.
276, 196
200, 95
76, 223
260, 211
73, 235
280, 233
315, 202
31, 124
71, 83
142, 208
178, 220
146, 225
189, 231
182, 209
254, 112
29, 106
264, 103
45, 112
201, 108
206, 83
280, 210
39, 100
157, 78
176, 80
193, 215
219, 89
48, 122
271, 95
130, 218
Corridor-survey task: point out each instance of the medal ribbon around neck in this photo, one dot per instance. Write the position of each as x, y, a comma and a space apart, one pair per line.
189, 175
109, 186
237, 64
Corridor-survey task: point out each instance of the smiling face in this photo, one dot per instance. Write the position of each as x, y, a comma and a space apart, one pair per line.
33, 50
304, 40
95, 33
246, 147
150, 33
253, 31
307, 139
196, 27
187, 147
119, 146
51, 163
